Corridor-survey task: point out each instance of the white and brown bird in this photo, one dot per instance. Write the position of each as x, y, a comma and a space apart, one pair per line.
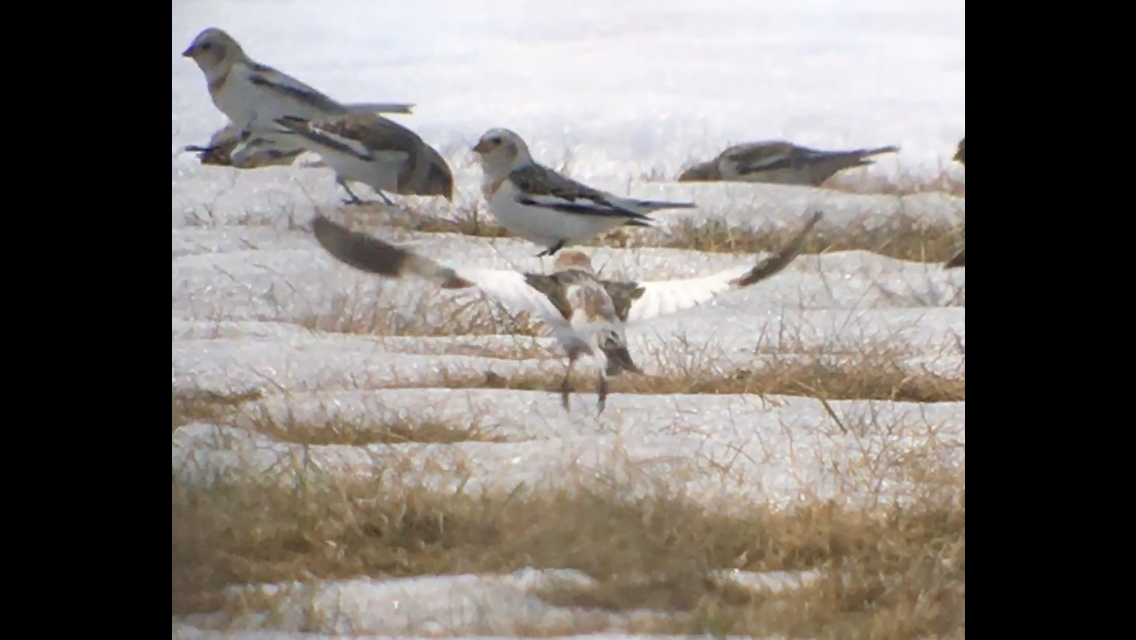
364, 147
254, 95
779, 162
258, 151
544, 207
587, 315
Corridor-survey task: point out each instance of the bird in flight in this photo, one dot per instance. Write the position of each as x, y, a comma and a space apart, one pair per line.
587, 314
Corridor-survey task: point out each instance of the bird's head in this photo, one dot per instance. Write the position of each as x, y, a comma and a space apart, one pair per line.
214, 51
573, 260
501, 150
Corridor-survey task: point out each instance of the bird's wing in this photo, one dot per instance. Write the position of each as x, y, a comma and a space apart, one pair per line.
359, 134
646, 300
381, 107
372, 255
959, 260
540, 186
762, 156
287, 87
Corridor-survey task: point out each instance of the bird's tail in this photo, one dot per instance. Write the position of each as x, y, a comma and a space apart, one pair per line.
383, 107
878, 151
617, 355
658, 205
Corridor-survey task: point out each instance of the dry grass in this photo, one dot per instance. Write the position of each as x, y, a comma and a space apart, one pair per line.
868, 377
371, 315
903, 236
876, 370
891, 572
895, 572
247, 409
904, 183
886, 573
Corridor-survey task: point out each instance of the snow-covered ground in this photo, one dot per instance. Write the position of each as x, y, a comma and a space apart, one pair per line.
626, 89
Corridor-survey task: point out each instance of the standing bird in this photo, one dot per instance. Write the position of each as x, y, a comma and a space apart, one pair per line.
587, 315
364, 147
254, 95
258, 151
544, 207
778, 162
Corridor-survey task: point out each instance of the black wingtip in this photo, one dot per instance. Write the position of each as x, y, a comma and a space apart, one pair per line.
359, 250
959, 260
290, 121
775, 263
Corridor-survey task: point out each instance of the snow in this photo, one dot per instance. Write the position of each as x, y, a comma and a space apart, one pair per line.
627, 93
481, 605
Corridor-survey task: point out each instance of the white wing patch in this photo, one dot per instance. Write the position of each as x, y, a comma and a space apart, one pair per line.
671, 296
510, 289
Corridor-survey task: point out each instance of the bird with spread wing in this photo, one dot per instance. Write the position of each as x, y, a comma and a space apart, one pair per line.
587, 315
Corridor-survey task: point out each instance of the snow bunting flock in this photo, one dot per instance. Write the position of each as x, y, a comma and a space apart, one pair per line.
274, 119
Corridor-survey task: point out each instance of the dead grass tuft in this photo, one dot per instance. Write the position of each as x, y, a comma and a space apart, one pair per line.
903, 183
868, 376
896, 573
903, 236
370, 315
249, 411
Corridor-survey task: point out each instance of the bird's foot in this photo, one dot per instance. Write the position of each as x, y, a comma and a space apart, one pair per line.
603, 392
551, 250
566, 392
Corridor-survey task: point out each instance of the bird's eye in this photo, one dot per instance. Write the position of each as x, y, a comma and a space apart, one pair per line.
495, 140
206, 46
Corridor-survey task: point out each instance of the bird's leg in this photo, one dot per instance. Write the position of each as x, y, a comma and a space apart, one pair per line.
354, 199
385, 198
551, 250
566, 387
603, 391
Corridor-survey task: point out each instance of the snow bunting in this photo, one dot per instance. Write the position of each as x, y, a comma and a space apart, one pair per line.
778, 162
538, 204
254, 95
257, 152
960, 155
587, 315
364, 147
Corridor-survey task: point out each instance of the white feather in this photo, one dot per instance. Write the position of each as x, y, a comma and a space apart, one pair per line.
671, 296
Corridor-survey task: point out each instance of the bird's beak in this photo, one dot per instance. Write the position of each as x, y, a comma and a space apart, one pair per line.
480, 147
188, 53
